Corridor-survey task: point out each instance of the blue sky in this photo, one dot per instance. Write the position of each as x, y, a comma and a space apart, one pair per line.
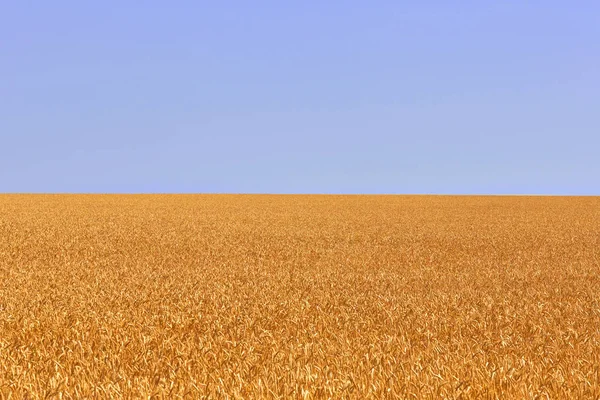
300, 97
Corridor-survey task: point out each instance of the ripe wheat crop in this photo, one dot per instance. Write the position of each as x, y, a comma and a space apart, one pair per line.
248, 296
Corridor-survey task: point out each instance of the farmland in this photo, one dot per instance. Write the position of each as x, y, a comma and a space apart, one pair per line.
264, 296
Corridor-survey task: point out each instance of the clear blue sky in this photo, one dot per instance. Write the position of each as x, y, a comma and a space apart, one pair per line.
300, 96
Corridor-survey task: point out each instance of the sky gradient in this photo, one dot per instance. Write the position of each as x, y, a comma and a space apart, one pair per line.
300, 97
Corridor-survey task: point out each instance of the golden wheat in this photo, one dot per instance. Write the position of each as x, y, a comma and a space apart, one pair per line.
241, 296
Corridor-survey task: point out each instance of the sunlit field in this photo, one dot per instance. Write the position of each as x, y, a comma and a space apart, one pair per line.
260, 296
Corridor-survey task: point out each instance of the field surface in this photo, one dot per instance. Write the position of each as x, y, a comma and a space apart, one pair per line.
248, 296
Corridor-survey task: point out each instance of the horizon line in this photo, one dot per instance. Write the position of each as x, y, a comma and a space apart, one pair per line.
304, 194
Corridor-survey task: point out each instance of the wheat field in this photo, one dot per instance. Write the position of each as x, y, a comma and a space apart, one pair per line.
264, 296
